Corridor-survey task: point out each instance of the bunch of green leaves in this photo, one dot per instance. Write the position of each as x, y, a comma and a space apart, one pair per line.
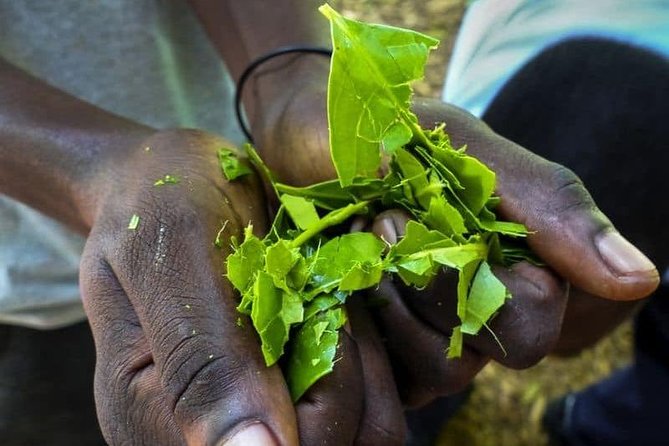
295, 281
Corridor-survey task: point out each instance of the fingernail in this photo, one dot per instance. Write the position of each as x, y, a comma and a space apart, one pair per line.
621, 256
252, 434
358, 224
385, 228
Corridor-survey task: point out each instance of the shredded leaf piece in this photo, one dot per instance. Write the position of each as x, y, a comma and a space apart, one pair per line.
134, 222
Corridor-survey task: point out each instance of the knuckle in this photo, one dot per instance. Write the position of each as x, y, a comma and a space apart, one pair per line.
535, 328
200, 385
567, 192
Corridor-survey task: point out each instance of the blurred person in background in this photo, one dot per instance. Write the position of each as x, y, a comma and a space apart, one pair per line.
586, 84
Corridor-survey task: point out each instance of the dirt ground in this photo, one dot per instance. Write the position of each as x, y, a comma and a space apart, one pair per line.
505, 407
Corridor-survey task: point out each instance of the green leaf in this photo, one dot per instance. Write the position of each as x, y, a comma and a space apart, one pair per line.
444, 217
280, 260
416, 237
167, 179
134, 222
455, 256
232, 165
486, 296
505, 227
455, 344
416, 176
274, 311
320, 304
244, 263
301, 210
465, 277
314, 350
340, 255
369, 93
361, 276
478, 181
328, 195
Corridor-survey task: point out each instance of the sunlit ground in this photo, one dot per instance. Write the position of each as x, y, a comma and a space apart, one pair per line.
506, 405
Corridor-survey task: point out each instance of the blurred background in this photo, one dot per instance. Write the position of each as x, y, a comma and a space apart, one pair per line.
505, 406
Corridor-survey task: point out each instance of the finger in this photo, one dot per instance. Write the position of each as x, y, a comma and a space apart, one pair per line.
528, 326
211, 369
390, 225
568, 230
418, 353
330, 411
382, 421
524, 330
127, 388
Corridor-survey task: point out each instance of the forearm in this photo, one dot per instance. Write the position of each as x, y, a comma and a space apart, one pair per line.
54, 146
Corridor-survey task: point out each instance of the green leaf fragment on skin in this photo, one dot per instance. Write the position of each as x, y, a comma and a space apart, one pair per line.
486, 296
232, 165
167, 179
134, 222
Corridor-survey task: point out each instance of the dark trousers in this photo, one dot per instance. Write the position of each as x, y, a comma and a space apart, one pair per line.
602, 109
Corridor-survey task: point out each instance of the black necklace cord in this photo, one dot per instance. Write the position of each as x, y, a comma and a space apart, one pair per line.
259, 61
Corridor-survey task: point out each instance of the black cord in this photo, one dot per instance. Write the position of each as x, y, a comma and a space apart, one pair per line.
259, 61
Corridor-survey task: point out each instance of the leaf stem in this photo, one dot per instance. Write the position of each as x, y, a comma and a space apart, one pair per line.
331, 219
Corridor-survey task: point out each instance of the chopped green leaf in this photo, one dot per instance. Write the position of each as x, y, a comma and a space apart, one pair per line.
369, 93
134, 222
167, 179
455, 346
314, 350
302, 211
295, 282
246, 261
274, 311
232, 165
486, 296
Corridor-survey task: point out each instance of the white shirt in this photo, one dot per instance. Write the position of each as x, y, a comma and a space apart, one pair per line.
498, 37
147, 60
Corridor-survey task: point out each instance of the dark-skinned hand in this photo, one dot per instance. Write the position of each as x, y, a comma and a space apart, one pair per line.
580, 246
176, 363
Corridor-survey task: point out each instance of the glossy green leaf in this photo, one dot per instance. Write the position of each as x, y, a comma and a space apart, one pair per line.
302, 211
369, 93
274, 312
486, 297
455, 344
232, 165
246, 261
314, 350
340, 255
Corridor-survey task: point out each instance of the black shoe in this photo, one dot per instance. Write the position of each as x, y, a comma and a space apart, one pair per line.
556, 420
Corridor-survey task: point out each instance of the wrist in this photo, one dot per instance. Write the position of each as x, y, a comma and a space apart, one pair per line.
280, 81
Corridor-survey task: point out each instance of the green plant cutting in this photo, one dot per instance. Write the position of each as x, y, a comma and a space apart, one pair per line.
294, 283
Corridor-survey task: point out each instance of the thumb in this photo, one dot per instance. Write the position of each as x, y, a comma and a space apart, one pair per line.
569, 232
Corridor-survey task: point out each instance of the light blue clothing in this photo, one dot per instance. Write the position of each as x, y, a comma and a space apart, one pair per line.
147, 60
497, 37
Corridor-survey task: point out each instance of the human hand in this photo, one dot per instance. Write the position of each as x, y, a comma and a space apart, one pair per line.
558, 210
176, 363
